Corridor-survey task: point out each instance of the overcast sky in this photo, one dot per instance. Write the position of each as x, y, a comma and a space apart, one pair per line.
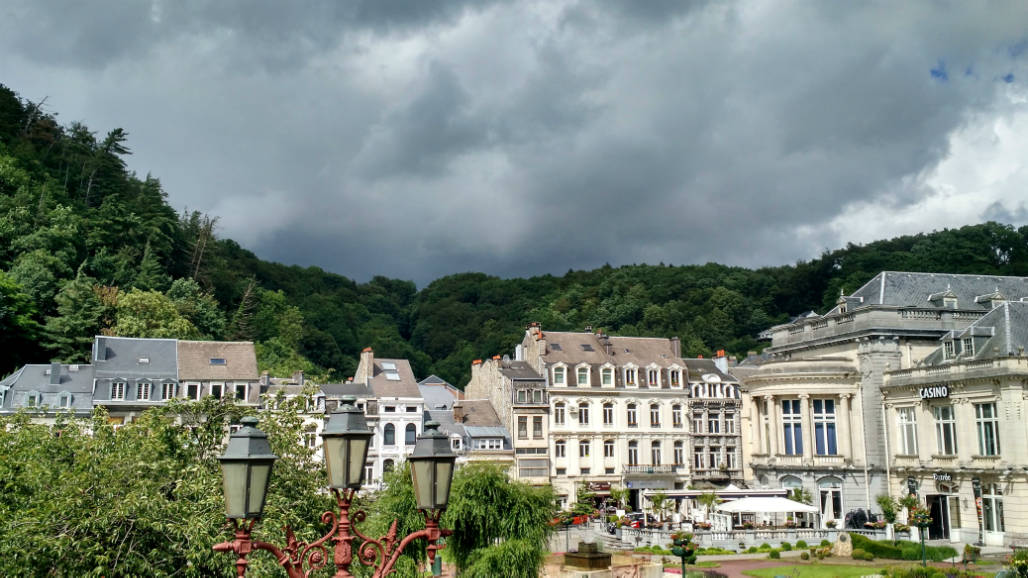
415, 139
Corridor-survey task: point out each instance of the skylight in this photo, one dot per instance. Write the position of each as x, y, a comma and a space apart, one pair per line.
388, 366
218, 361
392, 376
587, 347
555, 346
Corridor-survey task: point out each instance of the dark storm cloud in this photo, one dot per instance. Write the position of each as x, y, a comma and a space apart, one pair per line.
422, 138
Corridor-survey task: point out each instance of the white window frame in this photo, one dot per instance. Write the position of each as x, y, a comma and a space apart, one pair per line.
579, 369
118, 390
608, 448
583, 412
792, 427
992, 508
199, 390
632, 414
654, 415
559, 413
676, 416
656, 452
948, 349
631, 376
560, 449
967, 347
906, 428
246, 391
165, 387
653, 377
584, 448
633, 453
64, 400
679, 453
144, 389
560, 375
945, 430
675, 375
729, 422
607, 376
827, 419
987, 427
608, 413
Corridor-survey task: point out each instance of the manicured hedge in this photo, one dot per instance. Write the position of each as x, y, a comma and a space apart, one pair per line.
900, 549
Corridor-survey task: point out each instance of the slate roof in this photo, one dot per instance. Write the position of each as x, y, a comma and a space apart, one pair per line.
74, 379
445, 420
1001, 332
405, 386
436, 393
479, 413
904, 289
195, 361
700, 367
572, 348
519, 370
336, 390
123, 357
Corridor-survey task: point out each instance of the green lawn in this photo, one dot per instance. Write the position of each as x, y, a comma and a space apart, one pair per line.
815, 571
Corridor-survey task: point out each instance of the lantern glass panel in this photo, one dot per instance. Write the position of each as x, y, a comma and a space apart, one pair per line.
421, 471
443, 475
358, 454
260, 473
335, 461
234, 481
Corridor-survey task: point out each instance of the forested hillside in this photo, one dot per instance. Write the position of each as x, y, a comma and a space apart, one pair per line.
88, 247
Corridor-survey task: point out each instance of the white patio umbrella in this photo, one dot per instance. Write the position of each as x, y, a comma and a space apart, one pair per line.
765, 505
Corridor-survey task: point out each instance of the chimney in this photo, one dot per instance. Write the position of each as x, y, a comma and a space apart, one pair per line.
100, 349
676, 347
265, 378
720, 361
458, 412
55, 373
506, 361
298, 377
366, 367
519, 352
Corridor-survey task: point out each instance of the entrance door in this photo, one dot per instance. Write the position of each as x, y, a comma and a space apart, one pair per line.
938, 508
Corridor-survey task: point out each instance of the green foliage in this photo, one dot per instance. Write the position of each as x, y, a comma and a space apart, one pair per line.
804, 555
486, 509
81, 314
18, 328
514, 558
900, 549
584, 501
825, 543
82, 499
774, 555
860, 554
801, 545
889, 507
151, 314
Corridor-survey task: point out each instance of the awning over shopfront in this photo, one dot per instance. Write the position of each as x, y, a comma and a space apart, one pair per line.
764, 505
730, 492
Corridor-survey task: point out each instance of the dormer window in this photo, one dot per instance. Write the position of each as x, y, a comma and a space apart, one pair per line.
169, 391
948, 349
559, 375
967, 347
653, 377
34, 399
675, 377
607, 377
630, 375
64, 400
582, 375
143, 390
118, 391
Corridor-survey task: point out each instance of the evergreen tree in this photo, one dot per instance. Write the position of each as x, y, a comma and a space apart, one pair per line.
80, 316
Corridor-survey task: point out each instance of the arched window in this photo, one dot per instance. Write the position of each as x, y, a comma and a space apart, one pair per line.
582, 376
559, 376
583, 413
830, 496
558, 413
387, 466
633, 418
389, 435
560, 449
676, 415
654, 415
607, 377
608, 413
633, 453
679, 453
675, 377
410, 434
655, 453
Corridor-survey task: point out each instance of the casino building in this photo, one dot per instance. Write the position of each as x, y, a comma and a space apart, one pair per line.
958, 433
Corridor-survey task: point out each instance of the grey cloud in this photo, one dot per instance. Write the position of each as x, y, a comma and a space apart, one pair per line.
419, 139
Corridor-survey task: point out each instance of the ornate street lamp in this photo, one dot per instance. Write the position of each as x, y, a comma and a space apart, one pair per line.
346, 439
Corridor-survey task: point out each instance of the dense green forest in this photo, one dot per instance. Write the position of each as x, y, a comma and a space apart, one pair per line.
88, 247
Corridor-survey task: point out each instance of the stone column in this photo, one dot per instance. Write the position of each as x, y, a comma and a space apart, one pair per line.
843, 427
773, 434
757, 441
808, 426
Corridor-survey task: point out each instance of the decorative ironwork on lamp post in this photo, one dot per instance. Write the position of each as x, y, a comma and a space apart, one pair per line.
246, 467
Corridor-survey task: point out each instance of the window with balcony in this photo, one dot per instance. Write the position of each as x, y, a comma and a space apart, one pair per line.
907, 422
729, 422
679, 453
608, 414
558, 414
713, 422
608, 448
654, 415
824, 427
697, 422
633, 420
730, 460
523, 427
633, 453
560, 449
715, 456
537, 427
676, 415
792, 427
583, 448
655, 453
607, 376
945, 430
583, 413
698, 462
988, 429
559, 375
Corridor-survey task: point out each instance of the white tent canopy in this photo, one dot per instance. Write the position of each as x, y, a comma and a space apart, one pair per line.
765, 505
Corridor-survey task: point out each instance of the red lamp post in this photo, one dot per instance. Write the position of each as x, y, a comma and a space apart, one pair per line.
247, 465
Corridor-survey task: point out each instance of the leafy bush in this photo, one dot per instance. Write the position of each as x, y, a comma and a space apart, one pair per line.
765, 546
825, 543
713, 551
774, 555
786, 546
752, 550
901, 549
804, 555
801, 545
654, 549
860, 554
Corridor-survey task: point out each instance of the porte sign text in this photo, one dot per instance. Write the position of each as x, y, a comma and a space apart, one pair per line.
934, 392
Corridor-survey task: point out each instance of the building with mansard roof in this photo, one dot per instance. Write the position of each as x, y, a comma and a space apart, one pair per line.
815, 417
